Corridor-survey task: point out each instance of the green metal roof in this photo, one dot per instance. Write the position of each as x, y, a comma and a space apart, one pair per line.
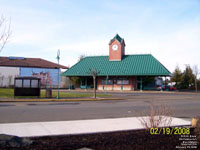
130, 65
116, 37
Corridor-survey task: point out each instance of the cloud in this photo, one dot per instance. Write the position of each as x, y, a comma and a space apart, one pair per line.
176, 47
93, 47
168, 30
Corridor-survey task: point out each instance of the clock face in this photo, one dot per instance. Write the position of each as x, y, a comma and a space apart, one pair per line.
114, 47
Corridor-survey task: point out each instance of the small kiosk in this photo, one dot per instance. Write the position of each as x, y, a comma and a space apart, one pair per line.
27, 86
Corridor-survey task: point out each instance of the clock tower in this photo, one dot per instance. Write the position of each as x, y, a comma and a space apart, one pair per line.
116, 48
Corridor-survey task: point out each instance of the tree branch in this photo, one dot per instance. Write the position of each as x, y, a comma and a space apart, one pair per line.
4, 32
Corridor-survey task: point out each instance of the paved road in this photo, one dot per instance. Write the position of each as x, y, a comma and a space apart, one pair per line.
184, 105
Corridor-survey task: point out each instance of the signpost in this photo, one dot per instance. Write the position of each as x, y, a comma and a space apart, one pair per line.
58, 58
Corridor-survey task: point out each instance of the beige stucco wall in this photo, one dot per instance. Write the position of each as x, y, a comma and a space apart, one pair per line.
7, 75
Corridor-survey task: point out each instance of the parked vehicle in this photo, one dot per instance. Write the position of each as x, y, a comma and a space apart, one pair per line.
166, 88
171, 88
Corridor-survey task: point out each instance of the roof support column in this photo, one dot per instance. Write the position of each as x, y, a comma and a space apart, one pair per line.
140, 84
102, 80
135, 87
69, 84
107, 82
161, 85
80, 82
86, 83
122, 84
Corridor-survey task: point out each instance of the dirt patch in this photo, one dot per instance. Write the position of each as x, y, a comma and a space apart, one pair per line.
123, 140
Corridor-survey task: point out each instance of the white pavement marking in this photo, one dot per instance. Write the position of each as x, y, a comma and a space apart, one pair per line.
77, 127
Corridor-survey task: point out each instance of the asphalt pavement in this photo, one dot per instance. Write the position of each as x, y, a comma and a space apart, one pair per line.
183, 105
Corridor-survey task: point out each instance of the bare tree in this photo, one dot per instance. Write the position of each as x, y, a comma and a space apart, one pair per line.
94, 74
4, 31
196, 73
81, 57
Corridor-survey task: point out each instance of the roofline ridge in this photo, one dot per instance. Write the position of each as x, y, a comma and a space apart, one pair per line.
160, 63
124, 55
97, 56
35, 65
137, 54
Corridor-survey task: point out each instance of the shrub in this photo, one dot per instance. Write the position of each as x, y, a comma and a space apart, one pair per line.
197, 130
156, 117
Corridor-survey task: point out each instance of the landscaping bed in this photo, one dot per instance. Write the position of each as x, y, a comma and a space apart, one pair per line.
121, 140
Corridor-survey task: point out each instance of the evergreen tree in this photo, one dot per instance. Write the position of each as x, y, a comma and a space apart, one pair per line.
177, 77
188, 78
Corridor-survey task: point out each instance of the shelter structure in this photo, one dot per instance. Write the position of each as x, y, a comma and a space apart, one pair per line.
27, 86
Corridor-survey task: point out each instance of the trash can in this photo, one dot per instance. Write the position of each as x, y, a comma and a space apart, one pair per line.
48, 93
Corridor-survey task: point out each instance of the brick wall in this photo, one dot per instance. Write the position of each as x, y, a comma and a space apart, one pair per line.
132, 85
118, 54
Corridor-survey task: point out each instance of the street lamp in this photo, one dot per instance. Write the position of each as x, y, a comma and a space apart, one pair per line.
58, 58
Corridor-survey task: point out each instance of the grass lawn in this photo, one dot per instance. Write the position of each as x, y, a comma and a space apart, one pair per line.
9, 93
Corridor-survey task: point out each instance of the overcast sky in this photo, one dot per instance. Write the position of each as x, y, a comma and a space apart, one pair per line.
167, 29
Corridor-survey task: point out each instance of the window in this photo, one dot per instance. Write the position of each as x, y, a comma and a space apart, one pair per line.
123, 81
126, 82
119, 81
26, 84
107, 82
34, 83
18, 83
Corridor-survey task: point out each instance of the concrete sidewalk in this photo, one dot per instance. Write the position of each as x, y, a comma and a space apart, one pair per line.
77, 127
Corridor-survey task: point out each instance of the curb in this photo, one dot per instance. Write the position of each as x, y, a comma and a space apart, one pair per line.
59, 100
